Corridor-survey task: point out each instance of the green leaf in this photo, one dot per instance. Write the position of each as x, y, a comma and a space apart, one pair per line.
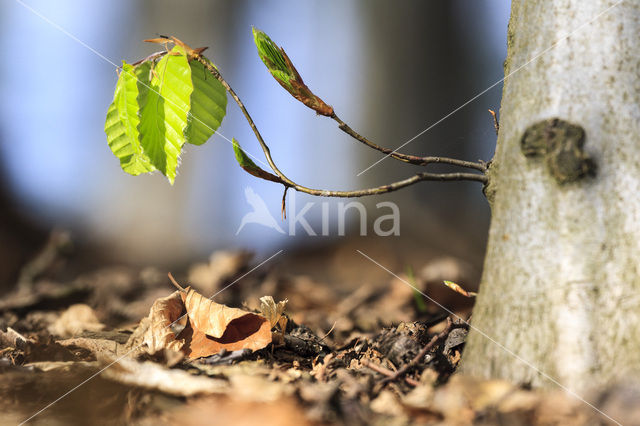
250, 167
208, 105
121, 125
163, 118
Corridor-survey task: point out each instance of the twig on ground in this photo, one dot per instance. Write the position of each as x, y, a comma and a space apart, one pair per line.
385, 371
329, 332
402, 370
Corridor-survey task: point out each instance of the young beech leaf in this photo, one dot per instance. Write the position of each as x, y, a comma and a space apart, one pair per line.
122, 121
208, 105
282, 69
250, 167
164, 114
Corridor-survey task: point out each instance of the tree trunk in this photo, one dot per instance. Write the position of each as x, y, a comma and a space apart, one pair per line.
561, 283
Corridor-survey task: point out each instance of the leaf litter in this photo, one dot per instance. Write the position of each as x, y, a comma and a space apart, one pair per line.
302, 354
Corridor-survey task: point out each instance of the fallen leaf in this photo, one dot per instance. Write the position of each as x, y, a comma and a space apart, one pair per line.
154, 332
158, 334
151, 375
163, 314
95, 345
63, 365
387, 403
213, 327
271, 310
76, 319
13, 339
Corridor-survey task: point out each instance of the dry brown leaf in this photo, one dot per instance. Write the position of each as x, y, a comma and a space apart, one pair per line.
213, 327
95, 346
271, 310
210, 326
218, 320
13, 339
152, 375
387, 403
76, 319
154, 332
163, 314
63, 365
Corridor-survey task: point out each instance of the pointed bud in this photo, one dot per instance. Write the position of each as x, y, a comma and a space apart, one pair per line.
282, 69
250, 167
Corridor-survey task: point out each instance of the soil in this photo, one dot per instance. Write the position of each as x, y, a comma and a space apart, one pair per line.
355, 349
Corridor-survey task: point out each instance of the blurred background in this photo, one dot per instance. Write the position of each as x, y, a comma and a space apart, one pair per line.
390, 70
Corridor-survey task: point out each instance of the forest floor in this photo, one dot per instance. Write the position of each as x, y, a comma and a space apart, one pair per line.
122, 345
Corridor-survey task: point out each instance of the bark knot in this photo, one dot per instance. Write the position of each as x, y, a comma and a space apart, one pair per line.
560, 144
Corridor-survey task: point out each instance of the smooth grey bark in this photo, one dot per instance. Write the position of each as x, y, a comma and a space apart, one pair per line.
561, 282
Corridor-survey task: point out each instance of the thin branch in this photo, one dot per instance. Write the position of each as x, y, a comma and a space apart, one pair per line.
325, 193
386, 372
151, 57
440, 336
496, 124
284, 203
412, 159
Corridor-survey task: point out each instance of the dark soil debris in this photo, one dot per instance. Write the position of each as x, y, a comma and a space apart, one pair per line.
355, 355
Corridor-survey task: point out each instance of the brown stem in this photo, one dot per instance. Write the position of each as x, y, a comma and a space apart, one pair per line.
412, 159
325, 193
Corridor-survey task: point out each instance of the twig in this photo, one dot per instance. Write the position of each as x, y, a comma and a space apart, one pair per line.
284, 203
385, 371
151, 57
324, 193
329, 332
402, 370
412, 159
496, 125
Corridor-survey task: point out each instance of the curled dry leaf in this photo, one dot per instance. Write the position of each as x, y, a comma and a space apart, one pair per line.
213, 327
76, 319
274, 313
210, 326
154, 332
455, 287
272, 310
